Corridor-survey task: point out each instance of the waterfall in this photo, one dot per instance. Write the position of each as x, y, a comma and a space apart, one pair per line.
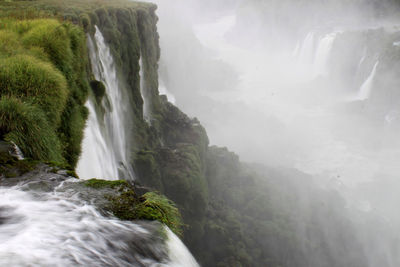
322, 54
305, 54
179, 255
162, 89
104, 147
17, 152
58, 226
86, 233
146, 107
59, 229
314, 55
365, 89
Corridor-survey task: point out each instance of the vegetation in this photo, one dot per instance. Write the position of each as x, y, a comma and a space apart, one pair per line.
127, 205
236, 215
10, 166
44, 64
157, 207
43, 87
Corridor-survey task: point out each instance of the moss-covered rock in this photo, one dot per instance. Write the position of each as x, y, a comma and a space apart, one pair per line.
126, 204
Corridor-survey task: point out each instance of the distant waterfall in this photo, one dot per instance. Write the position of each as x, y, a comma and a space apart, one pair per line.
305, 52
143, 92
313, 54
164, 91
322, 55
366, 87
104, 147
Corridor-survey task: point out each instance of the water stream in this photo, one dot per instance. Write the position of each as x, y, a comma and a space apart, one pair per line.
105, 145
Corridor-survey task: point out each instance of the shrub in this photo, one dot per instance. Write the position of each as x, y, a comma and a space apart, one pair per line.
27, 126
54, 39
34, 80
158, 207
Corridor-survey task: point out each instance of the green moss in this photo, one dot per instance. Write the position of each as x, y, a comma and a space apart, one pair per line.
147, 169
157, 207
98, 183
125, 204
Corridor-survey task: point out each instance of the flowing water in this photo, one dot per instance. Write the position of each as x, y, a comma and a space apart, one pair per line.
58, 228
44, 221
146, 107
366, 87
322, 54
105, 145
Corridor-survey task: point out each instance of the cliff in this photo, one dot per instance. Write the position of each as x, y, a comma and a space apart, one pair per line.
235, 214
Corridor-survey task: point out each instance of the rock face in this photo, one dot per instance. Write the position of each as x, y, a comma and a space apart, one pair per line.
235, 214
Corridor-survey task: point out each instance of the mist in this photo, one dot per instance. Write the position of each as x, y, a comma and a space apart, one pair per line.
305, 85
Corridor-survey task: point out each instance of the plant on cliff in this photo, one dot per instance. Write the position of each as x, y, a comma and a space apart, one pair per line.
43, 85
127, 205
27, 125
155, 206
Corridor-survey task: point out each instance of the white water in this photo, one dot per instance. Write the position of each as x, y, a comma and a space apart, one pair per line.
146, 107
104, 147
59, 229
104, 156
322, 54
366, 87
17, 151
313, 55
162, 90
306, 52
179, 255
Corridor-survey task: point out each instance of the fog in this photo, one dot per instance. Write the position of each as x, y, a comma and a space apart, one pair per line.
312, 86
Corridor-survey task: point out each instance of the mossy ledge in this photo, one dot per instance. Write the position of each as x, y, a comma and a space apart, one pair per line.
125, 203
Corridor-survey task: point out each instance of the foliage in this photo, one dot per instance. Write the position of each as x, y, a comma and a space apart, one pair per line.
157, 207
27, 126
43, 66
35, 81
125, 204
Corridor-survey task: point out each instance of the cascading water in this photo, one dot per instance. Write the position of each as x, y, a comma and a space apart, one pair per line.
104, 148
306, 52
366, 87
164, 91
322, 54
59, 228
146, 107
313, 55
44, 221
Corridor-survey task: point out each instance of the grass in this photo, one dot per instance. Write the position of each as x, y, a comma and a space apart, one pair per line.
43, 86
157, 207
44, 62
36, 81
26, 125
